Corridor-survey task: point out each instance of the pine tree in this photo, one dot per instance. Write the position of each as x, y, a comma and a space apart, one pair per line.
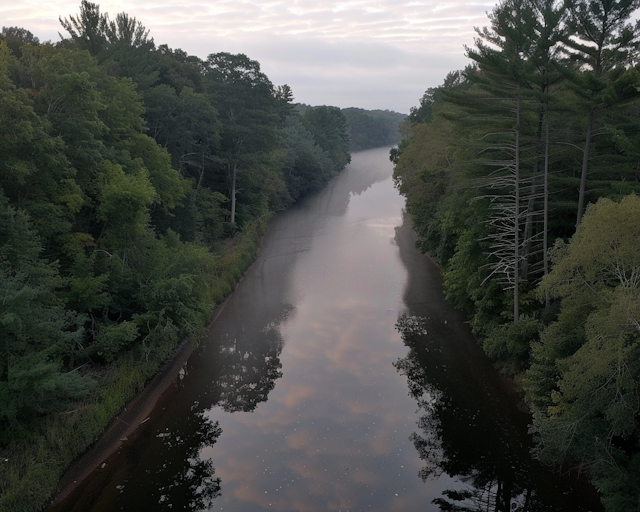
503, 72
601, 44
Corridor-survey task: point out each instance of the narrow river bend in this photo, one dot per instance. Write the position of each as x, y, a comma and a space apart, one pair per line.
335, 379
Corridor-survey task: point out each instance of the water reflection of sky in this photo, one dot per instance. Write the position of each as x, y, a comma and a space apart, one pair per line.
334, 434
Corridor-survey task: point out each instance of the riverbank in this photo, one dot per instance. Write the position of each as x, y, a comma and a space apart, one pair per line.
54, 458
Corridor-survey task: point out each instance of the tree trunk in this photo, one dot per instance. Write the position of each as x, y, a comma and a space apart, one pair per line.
545, 224
496, 505
585, 168
528, 230
516, 244
506, 495
233, 193
527, 500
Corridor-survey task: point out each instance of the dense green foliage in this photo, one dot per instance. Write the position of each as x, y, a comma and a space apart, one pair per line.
497, 165
584, 382
372, 128
367, 129
135, 182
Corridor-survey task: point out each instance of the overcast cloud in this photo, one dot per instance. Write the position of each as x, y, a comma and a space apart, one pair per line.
370, 54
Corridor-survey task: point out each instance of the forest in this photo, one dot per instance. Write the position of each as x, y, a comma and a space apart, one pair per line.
372, 128
135, 184
368, 129
521, 174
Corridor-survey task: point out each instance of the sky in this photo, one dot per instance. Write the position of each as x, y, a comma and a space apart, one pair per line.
356, 53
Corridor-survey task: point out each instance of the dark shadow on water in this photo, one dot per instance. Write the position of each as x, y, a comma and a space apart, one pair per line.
182, 480
470, 426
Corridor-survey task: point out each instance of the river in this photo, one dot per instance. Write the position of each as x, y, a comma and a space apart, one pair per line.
336, 378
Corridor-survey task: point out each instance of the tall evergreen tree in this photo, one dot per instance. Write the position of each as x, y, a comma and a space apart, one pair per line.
501, 53
601, 44
549, 17
89, 29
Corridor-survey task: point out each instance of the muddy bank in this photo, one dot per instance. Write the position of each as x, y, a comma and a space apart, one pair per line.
125, 424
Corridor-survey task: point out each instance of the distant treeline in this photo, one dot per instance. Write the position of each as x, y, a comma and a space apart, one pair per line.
135, 182
369, 128
521, 174
372, 128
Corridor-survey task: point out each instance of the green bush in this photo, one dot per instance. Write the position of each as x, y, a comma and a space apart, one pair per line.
510, 344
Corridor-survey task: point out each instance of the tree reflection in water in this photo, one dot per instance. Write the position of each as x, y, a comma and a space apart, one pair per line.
167, 468
246, 368
465, 432
250, 366
164, 469
192, 485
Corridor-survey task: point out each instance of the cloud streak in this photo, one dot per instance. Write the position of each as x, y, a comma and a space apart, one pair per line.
380, 54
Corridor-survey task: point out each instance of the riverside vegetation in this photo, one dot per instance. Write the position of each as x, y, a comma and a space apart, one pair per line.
135, 184
521, 174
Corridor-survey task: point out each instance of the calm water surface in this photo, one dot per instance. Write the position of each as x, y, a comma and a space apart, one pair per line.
335, 379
